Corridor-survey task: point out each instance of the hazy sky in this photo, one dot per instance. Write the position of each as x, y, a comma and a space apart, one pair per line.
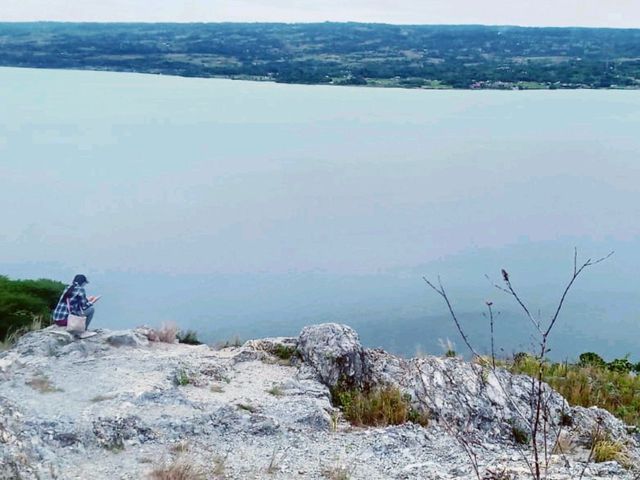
609, 13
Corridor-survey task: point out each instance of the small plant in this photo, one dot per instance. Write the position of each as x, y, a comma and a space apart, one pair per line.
375, 407
337, 472
418, 417
167, 333
497, 474
606, 450
180, 447
182, 378
335, 420
102, 398
276, 391
178, 470
247, 407
284, 352
42, 384
276, 459
234, 342
566, 420
220, 465
14, 335
190, 337
520, 435
520, 357
448, 347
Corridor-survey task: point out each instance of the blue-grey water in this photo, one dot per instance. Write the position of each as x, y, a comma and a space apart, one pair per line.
256, 208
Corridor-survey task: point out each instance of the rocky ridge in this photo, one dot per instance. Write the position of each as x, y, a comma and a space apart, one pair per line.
117, 406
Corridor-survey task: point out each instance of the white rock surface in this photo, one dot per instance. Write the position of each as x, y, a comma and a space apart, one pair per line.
86, 409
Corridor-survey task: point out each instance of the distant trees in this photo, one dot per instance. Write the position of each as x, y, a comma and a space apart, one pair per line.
339, 53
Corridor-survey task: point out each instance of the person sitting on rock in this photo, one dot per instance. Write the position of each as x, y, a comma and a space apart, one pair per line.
74, 296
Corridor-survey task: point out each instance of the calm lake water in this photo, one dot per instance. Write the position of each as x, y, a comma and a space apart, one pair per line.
255, 208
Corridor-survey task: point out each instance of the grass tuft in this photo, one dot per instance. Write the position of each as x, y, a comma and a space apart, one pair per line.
182, 378
219, 466
284, 352
247, 407
276, 391
607, 450
167, 333
13, 336
177, 470
102, 398
234, 342
377, 407
189, 337
337, 472
591, 382
42, 384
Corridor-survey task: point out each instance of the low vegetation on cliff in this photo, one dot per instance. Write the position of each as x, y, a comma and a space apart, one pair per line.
25, 302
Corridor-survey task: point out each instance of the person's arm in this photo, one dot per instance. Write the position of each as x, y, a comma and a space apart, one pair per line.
84, 301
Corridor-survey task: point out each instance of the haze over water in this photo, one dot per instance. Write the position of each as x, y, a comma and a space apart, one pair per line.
256, 208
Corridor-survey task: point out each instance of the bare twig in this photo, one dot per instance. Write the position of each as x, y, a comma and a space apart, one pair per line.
596, 435
540, 422
440, 290
493, 349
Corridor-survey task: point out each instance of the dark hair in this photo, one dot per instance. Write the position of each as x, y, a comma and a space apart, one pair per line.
80, 280
77, 280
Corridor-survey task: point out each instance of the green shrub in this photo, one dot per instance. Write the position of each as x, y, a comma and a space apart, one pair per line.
182, 378
22, 300
520, 435
606, 450
622, 365
377, 407
190, 337
520, 357
591, 383
566, 420
284, 352
591, 359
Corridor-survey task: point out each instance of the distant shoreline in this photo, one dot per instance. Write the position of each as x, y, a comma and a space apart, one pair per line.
429, 57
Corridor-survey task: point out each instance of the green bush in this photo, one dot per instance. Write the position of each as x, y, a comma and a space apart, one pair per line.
591, 359
622, 365
284, 352
377, 407
591, 383
520, 435
190, 337
22, 300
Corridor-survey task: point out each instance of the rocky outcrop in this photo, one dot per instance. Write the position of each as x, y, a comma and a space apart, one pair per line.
117, 405
335, 352
126, 338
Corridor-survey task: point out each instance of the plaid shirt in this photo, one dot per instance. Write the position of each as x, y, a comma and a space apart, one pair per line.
77, 300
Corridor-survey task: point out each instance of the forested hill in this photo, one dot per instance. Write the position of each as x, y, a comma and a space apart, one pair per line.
338, 53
